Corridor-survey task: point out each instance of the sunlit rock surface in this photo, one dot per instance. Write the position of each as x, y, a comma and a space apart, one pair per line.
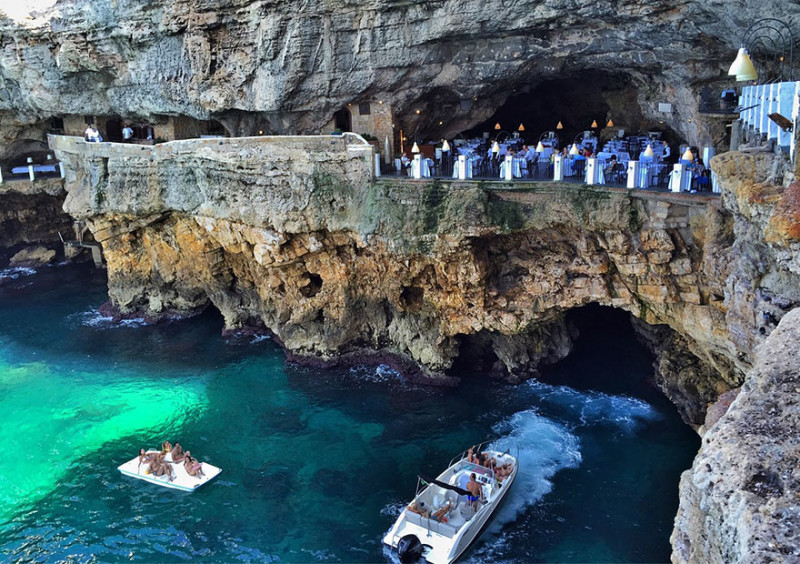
740, 502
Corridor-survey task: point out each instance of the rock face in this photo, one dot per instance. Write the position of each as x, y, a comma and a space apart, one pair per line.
740, 502
293, 236
31, 217
249, 63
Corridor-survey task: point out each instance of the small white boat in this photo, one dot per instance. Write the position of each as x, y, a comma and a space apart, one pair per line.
183, 481
437, 541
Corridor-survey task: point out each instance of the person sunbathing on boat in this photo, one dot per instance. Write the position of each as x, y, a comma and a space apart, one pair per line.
421, 509
177, 453
145, 457
166, 447
504, 471
161, 468
193, 467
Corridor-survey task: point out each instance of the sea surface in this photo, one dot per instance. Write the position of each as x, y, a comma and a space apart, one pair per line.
316, 463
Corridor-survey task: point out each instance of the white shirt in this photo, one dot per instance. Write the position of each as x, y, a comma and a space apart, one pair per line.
127, 132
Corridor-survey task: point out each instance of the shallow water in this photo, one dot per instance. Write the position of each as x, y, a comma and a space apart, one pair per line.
316, 463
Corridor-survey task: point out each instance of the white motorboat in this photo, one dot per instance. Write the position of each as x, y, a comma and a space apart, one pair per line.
448, 522
183, 480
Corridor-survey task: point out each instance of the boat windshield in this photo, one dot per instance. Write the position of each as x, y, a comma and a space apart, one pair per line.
472, 467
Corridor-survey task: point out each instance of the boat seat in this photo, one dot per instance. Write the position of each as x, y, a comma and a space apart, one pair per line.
445, 529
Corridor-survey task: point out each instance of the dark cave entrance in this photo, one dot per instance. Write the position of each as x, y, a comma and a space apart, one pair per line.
343, 121
606, 356
576, 101
583, 101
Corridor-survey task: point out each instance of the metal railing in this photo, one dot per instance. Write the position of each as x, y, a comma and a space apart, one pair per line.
761, 101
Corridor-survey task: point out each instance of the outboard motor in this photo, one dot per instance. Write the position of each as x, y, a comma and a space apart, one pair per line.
409, 549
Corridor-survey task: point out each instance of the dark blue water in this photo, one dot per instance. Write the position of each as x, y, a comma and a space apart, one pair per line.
316, 463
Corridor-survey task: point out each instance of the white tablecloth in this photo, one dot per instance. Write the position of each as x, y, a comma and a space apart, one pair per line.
601, 178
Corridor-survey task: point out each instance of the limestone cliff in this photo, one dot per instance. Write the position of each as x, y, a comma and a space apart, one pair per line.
293, 236
740, 502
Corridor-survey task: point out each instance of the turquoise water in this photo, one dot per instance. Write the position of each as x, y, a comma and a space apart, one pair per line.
316, 463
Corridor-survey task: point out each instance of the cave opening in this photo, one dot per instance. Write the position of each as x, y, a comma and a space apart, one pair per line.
607, 356
608, 101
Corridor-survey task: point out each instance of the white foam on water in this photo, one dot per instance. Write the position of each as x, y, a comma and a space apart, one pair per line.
543, 447
260, 338
595, 408
93, 318
15, 272
133, 322
381, 373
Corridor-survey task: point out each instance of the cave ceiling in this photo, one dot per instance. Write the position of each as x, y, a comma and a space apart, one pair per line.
293, 65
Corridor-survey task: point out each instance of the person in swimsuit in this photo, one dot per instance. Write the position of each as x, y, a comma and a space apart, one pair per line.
474, 489
193, 467
145, 457
421, 509
177, 453
503, 472
160, 467
166, 447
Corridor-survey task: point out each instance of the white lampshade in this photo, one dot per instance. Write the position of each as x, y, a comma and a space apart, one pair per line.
495, 147
648, 152
560, 126
539, 147
610, 123
497, 125
748, 71
737, 63
687, 155
594, 123
573, 150
742, 67
521, 128
445, 146
415, 148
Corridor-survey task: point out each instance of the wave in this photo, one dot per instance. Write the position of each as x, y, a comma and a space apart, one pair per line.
594, 408
14, 272
93, 318
380, 374
543, 448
